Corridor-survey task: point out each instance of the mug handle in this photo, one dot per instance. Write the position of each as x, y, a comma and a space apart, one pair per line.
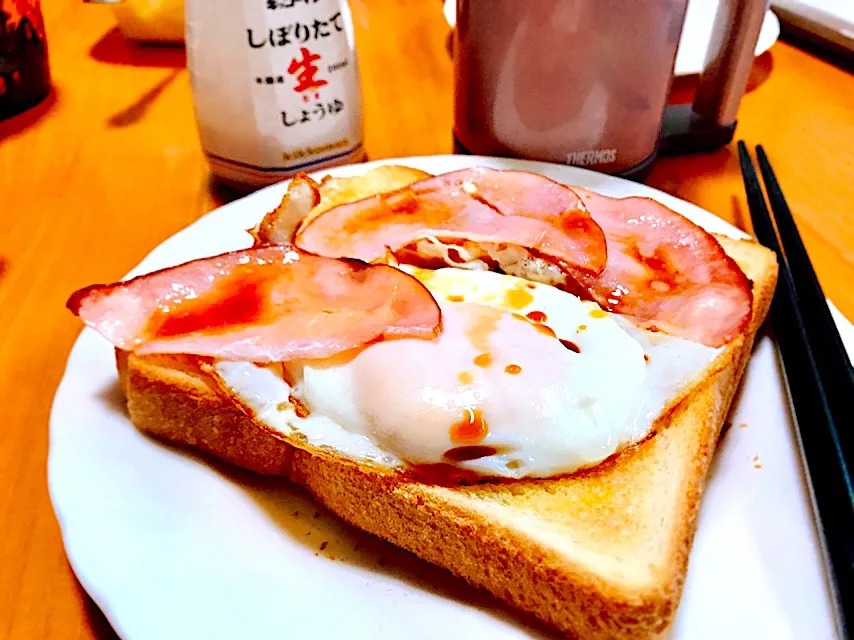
710, 122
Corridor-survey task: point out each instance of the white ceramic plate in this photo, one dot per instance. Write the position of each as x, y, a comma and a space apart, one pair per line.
696, 34
171, 546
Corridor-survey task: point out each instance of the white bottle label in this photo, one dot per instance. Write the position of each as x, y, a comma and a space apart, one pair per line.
275, 84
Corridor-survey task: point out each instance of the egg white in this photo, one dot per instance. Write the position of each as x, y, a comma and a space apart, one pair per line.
549, 407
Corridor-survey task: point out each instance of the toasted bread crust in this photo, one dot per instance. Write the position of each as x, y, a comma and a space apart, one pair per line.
598, 554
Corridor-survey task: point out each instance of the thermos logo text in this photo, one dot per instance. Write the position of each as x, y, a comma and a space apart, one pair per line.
591, 156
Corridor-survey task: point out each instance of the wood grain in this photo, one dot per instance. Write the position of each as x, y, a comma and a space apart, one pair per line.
110, 166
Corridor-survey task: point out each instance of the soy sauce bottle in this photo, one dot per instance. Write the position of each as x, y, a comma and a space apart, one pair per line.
275, 87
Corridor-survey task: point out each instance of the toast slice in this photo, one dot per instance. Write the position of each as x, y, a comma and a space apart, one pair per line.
601, 553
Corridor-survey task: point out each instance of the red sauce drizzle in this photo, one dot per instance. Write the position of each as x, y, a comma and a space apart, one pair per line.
403, 206
662, 274
454, 255
483, 360
481, 323
238, 300
471, 428
470, 452
545, 330
569, 344
445, 474
517, 298
537, 316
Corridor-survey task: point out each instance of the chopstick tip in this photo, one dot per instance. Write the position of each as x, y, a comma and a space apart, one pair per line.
744, 159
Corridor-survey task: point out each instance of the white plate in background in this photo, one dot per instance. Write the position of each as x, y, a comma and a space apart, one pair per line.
696, 34
172, 546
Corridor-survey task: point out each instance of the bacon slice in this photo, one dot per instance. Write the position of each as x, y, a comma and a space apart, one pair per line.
477, 205
268, 304
664, 272
279, 225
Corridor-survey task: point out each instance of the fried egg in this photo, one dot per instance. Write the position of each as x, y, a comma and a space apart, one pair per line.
525, 380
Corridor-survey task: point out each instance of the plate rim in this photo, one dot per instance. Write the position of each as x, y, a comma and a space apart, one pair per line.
63, 510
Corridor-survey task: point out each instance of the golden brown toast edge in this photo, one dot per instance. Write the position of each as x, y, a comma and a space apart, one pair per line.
599, 554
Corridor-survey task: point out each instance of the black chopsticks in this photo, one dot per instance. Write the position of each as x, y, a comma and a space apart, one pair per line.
819, 376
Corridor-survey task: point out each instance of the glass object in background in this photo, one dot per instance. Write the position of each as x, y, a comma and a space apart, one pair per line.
275, 87
24, 72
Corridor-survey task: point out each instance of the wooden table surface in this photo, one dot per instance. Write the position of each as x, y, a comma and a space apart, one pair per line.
110, 166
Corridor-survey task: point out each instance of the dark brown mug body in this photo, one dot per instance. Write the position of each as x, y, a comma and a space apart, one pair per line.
581, 82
